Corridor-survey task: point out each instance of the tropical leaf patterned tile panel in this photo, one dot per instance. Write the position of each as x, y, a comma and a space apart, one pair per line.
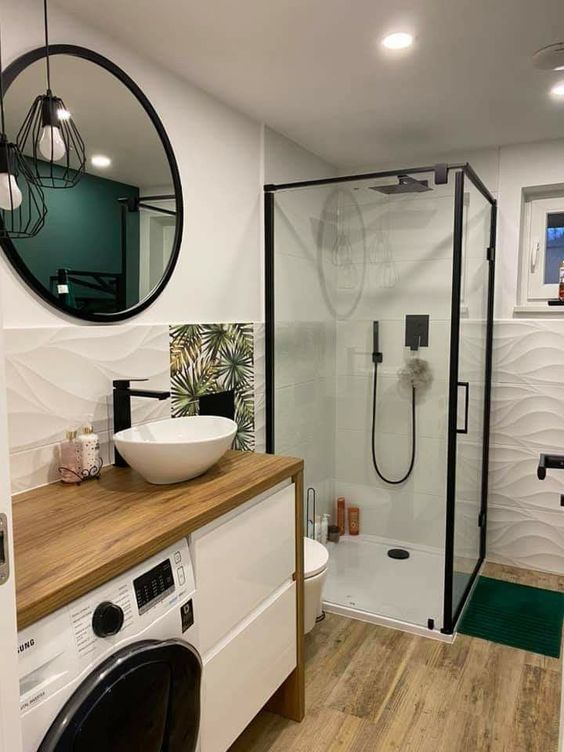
211, 358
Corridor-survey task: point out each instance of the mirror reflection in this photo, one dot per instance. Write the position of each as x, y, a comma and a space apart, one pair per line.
108, 240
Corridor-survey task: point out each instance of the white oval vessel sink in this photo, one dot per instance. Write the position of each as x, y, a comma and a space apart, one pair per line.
177, 449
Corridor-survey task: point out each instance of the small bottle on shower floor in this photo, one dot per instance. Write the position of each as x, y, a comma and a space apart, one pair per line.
341, 514
354, 520
324, 528
318, 528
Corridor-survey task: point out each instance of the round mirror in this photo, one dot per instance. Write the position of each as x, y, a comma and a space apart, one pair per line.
110, 242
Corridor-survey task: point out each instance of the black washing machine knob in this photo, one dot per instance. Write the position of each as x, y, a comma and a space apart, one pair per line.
107, 619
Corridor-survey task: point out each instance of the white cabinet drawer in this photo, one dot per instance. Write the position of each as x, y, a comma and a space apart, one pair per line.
240, 678
241, 562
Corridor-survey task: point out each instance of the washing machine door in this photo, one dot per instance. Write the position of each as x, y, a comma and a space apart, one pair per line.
145, 697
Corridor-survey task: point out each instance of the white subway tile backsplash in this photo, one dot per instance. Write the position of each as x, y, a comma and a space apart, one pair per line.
354, 460
401, 514
354, 406
355, 344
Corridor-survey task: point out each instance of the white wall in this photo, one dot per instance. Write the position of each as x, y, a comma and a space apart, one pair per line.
218, 150
305, 329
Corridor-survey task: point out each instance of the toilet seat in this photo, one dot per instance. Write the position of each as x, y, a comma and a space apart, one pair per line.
316, 558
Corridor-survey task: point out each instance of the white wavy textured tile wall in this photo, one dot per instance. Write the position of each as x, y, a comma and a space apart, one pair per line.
58, 377
529, 352
525, 538
526, 521
528, 416
513, 480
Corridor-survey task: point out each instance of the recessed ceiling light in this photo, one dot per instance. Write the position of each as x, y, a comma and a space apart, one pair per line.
399, 40
99, 160
558, 90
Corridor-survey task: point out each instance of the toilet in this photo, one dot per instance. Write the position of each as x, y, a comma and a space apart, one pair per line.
316, 560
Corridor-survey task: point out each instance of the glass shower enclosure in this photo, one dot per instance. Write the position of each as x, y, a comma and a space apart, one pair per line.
379, 323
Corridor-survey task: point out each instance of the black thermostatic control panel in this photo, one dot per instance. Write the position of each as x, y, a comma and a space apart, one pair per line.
153, 586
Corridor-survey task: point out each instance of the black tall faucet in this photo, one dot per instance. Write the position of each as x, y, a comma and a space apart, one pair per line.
122, 407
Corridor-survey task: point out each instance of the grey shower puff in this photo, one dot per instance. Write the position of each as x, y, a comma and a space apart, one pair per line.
415, 373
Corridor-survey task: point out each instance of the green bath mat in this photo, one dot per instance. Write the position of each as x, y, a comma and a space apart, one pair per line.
518, 615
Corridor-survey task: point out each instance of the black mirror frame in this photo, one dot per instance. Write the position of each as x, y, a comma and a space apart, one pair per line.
9, 76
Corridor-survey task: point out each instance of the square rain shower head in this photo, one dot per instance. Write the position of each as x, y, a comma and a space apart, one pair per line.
405, 184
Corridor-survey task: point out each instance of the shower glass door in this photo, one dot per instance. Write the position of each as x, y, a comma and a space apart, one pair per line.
469, 391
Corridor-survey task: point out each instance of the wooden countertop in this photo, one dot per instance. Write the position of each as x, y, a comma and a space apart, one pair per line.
70, 539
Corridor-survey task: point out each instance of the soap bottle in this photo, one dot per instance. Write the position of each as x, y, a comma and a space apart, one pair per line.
70, 464
324, 528
89, 451
318, 528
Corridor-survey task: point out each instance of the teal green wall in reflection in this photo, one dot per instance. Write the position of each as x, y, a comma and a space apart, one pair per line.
83, 232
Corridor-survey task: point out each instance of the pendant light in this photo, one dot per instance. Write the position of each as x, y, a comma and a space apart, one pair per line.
50, 136
22, 204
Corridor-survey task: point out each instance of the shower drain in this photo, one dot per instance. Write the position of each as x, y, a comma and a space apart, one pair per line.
398, 553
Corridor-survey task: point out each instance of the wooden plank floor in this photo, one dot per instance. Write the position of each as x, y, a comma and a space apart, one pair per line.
371, 689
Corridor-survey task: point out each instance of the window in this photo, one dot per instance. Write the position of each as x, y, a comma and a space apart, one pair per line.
542, 250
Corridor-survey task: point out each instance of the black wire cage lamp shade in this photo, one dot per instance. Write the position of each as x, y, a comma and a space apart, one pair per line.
49, 137
22, 203
51, 141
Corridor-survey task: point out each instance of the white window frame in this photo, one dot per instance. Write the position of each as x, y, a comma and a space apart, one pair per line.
533, 291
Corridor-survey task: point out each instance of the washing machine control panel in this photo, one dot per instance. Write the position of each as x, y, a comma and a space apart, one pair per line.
153, 600
153, 586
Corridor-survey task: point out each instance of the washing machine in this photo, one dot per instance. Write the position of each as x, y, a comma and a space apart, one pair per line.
117, 670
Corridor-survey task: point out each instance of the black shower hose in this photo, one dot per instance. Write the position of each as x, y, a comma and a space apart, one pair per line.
413, 435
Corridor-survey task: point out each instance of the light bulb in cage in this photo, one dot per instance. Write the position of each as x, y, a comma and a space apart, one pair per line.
22, 203
51, 143
10, 195
51, 139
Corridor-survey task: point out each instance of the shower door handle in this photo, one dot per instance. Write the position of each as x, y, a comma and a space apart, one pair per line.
466, 386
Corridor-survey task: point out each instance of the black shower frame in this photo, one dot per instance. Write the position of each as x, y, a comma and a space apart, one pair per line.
462, 171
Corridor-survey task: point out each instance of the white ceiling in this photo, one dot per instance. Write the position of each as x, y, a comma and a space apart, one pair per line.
314, 70
109, 118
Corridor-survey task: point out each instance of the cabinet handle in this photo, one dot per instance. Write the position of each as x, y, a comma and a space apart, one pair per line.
4, 550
